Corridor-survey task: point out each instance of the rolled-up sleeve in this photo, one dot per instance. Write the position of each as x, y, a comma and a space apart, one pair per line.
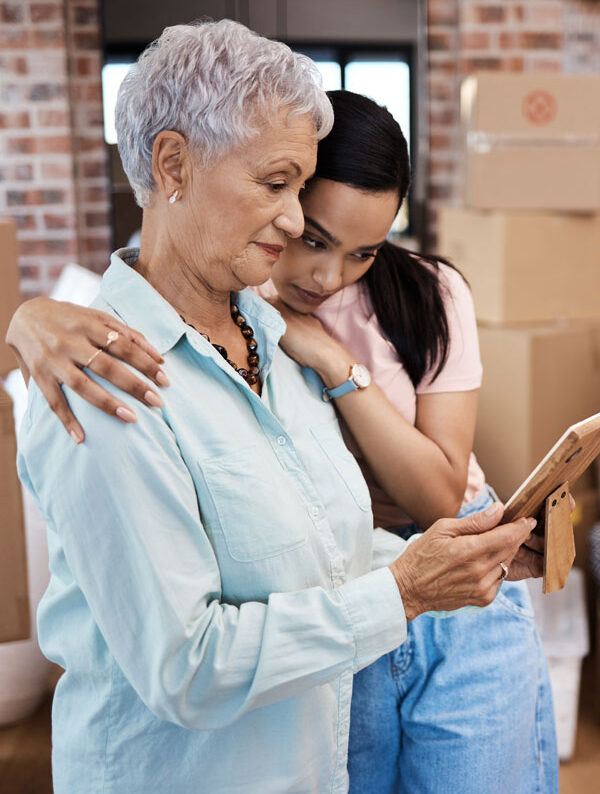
124, 509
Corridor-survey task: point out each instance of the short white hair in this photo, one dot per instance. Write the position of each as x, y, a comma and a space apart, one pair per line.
213, 82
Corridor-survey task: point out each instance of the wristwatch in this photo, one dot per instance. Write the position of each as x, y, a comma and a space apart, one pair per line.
359, 378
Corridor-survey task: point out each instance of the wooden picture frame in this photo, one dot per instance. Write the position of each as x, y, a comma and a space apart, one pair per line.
578, 446
548, 485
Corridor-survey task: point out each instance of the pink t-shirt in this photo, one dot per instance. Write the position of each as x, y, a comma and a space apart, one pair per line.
348, 316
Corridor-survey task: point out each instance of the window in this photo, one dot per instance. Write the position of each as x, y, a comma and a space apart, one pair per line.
112, 75
381, 73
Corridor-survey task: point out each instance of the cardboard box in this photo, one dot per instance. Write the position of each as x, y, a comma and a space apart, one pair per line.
525, 266
9, 293
531, 141
537, 381
14, 601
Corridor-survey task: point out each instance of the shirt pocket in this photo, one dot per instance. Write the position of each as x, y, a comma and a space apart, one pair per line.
254, 505
329, 438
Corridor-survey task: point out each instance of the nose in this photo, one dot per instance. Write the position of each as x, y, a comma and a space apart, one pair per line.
328, 274
291, 219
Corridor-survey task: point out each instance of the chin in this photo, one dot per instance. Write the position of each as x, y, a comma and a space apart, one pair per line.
253, 274
294, 302
257, 279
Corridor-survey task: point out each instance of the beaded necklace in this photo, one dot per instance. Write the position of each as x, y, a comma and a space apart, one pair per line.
249, 373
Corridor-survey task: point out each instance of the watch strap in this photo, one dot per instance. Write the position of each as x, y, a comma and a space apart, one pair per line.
339, 391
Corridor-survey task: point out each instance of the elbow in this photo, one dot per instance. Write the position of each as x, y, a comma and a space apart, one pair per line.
454, 494
454, 501
445, 504
196, 698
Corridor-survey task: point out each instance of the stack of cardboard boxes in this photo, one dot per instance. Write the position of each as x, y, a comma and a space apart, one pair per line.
14, 604
527, 238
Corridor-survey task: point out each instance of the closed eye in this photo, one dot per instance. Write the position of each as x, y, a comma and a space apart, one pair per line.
364, 256
311, 242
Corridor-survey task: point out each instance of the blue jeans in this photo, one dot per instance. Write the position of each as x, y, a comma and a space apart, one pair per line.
462, 707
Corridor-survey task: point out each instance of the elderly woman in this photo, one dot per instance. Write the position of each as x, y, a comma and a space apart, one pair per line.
215, 577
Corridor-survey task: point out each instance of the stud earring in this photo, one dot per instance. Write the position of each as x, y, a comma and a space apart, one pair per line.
173, 197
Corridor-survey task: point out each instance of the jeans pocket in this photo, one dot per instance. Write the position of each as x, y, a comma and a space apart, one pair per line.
514, 598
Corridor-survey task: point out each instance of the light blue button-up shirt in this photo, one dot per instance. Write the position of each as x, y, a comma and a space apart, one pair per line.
216, 580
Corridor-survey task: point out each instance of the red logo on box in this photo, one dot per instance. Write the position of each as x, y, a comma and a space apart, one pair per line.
539, 107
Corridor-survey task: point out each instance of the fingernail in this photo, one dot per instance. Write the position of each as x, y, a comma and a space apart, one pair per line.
162, 379
126, 414
153, 399
532, 523
76, 436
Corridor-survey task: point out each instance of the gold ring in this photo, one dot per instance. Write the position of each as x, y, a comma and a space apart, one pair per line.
504, 572
93, 356
112, 337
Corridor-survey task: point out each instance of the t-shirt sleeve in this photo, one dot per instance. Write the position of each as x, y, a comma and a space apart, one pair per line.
462, 370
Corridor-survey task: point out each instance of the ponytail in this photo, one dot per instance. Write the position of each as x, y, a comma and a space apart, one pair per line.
408, 299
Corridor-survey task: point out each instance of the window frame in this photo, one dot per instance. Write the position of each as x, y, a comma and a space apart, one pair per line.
344, 53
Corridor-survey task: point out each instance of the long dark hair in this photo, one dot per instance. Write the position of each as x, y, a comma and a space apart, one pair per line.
366, 149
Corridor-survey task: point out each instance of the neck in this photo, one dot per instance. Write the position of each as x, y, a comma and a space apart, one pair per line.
182, 285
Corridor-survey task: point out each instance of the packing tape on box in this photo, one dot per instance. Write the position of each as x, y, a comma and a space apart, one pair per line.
483, 142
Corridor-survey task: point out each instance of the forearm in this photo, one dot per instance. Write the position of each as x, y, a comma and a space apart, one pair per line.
412, 469
205, 662
409, 466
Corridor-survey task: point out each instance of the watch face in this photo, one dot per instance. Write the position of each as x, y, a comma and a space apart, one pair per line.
361, 376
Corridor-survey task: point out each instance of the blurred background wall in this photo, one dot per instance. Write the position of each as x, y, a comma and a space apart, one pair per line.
54, 172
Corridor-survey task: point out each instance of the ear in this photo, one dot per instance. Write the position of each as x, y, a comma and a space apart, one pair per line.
169, 156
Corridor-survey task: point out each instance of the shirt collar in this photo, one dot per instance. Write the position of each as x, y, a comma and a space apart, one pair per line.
140, 306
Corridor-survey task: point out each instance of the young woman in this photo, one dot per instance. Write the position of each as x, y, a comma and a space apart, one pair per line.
464, 704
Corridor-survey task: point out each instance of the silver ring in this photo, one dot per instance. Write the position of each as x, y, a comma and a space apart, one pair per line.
504, 572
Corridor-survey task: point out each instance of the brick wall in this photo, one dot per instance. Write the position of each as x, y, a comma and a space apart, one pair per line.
52, 157
465, 36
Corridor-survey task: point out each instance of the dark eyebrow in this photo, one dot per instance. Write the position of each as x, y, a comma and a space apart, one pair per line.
334, 241
374, 247
327, 235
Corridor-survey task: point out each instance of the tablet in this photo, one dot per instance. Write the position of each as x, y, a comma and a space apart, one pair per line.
565, 462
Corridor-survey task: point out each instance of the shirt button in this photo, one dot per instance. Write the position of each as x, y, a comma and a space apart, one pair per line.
314, 511
281, 441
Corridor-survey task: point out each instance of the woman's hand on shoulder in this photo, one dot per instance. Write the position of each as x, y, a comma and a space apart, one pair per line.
54, 341
308, 343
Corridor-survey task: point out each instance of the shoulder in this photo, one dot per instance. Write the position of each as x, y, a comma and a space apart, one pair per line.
454, 284
46, 451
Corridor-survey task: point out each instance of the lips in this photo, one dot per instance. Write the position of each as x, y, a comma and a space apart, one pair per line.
312, 298
272, 250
